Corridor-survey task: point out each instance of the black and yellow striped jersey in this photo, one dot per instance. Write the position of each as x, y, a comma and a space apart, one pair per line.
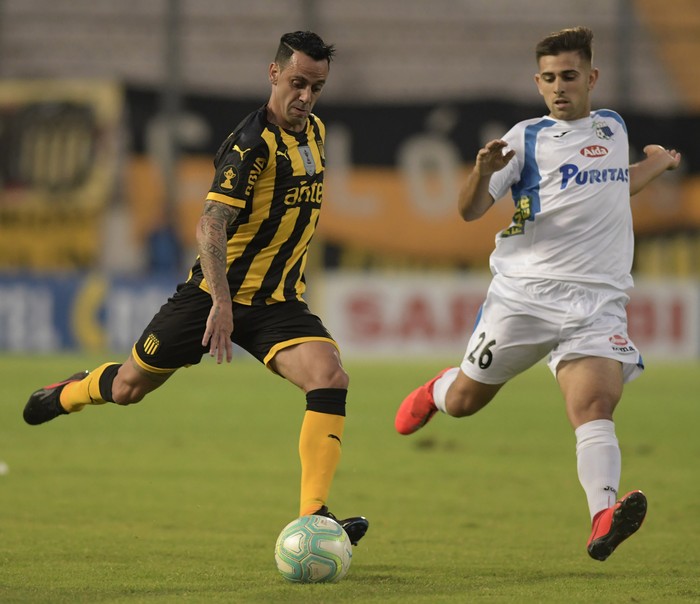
276, 178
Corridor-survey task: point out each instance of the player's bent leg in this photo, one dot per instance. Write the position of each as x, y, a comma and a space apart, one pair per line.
111, 382
70, 395
615, 524
466, 396
450, 391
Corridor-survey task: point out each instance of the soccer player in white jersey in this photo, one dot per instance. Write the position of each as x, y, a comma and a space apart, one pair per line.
560, 272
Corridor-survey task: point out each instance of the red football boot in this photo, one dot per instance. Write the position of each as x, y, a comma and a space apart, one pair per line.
417, 408
612, 526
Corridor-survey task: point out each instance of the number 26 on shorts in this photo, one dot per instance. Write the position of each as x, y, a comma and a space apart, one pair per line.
485, 356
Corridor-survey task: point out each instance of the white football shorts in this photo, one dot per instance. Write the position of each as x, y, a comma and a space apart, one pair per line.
524, 320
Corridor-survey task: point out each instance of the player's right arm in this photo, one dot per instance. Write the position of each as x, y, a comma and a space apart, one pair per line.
658, 159
474, 197
211, 245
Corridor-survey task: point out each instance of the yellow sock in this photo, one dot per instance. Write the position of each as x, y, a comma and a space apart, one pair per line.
75, 395
319, 450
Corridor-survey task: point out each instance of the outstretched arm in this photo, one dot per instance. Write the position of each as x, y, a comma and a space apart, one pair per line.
474, 197
211, 245
657, 161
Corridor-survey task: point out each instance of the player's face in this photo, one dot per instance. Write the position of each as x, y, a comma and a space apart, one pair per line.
295, 90
566, 81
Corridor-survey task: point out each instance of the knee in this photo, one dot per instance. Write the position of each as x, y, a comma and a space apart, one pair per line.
338, 378
593, 410
330, 377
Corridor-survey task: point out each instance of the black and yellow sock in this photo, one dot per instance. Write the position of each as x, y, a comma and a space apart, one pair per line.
94, 389
319, 445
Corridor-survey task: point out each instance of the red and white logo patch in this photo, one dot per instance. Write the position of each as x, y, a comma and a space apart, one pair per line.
594, 151
618, 340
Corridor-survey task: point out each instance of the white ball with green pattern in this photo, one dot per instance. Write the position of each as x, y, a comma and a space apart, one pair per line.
313, 549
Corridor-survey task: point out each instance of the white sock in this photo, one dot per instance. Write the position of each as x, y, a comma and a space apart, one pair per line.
598, 463
441, 386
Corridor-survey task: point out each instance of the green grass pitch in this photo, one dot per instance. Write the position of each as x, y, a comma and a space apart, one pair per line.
181, 498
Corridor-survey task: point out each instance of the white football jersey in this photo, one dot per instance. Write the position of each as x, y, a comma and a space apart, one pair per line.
570, 185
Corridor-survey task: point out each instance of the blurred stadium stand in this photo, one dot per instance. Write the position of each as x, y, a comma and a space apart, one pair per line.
388, 50
148, 89
675, 27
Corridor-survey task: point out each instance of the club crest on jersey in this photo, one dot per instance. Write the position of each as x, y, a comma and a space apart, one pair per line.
228, 178
308, 158
602, 130
151, 344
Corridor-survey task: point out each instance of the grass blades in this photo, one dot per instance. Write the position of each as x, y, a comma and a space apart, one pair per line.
181, 498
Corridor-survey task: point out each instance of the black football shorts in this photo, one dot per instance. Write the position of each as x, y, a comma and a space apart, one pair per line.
173, 338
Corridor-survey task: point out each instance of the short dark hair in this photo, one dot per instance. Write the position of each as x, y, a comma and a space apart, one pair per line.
574, 39
303, 41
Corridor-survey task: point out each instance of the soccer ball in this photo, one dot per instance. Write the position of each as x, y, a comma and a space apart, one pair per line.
313, 549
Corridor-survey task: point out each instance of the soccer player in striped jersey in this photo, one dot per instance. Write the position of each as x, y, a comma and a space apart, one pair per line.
560, 273
247, 283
